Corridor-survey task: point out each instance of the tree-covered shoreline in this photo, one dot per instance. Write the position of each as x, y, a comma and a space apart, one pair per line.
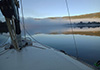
3, 27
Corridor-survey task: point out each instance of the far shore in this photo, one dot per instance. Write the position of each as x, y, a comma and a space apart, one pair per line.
91, 33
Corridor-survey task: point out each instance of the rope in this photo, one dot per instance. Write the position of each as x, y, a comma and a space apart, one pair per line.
3, 52
2, 45
66, 1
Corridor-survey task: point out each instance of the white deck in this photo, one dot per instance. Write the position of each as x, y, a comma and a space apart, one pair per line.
39, 58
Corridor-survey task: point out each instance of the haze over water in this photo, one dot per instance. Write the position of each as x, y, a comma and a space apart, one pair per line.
58, 34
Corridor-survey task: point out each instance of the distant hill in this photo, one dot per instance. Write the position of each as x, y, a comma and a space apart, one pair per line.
91, 15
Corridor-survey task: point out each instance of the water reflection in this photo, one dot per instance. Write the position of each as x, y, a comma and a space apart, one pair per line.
88, 46
59, 35
61, 29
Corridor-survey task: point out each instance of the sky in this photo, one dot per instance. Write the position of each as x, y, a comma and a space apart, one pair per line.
57, 8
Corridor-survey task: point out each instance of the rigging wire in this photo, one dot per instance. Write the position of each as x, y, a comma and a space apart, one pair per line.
23, 18
25, 30
67, 6
35, 39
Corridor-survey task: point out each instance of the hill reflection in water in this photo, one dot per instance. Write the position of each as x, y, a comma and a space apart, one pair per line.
59, 35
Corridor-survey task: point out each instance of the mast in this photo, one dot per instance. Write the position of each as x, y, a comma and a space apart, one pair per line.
9, 9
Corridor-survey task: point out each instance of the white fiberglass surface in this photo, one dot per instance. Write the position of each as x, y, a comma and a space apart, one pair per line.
35, 58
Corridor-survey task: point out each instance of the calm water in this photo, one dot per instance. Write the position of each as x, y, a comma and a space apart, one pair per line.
88, 46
